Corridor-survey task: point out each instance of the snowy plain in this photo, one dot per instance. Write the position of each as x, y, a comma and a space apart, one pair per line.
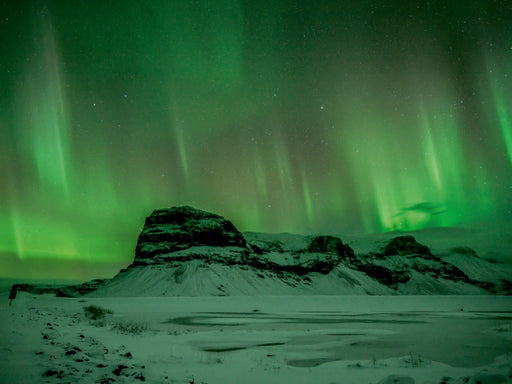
257, 339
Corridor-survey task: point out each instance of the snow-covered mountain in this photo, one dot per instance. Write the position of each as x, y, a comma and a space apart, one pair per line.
183, 251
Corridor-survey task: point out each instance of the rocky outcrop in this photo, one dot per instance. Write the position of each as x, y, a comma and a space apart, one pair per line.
181, 235
406, 245
331, 244
218, 259
60, 290
173, 229
386, 276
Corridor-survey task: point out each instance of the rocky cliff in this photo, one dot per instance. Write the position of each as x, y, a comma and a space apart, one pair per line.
183, 251
186, 251
173, 229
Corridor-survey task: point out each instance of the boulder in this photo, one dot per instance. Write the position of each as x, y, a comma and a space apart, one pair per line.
173, 229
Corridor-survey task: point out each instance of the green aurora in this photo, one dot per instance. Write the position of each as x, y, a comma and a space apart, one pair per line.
304, 117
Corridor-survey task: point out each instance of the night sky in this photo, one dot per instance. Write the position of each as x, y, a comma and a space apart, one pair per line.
283, 116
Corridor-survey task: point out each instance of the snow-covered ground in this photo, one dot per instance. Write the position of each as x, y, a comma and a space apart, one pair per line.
257, 339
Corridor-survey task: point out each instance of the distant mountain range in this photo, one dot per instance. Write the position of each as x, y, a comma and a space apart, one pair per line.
183, 251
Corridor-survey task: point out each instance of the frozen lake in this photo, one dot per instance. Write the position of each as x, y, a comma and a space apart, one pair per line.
446, 337
293, 338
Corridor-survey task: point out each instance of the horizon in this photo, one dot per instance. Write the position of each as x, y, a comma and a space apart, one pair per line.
440, 240
351, 117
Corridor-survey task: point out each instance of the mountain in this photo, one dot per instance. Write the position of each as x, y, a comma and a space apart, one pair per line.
183, 251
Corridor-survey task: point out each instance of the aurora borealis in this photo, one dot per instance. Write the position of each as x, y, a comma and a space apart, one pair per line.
305, 117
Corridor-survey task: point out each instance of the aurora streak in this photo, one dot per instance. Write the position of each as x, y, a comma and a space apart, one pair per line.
337, 117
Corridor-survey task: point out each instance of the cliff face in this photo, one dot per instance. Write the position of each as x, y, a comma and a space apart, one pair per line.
186, 251
185, 234
183, 251
174, 229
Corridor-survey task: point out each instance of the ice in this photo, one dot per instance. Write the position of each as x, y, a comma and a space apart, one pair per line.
257, 339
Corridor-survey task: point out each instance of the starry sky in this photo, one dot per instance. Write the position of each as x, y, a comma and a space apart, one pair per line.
284, 116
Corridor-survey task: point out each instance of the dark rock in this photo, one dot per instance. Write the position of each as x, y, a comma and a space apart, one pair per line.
173, 229
449, 272
506, 287
61, 290
384, 275
488, 378
257, 250
13, 292
118, 371
320, 266
464, 251
81, 289
106, 380
53, 372
168, 236
406, 245
330, 244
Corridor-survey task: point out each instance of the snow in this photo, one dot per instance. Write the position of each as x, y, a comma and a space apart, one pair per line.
258, 339
287, 242
200, 315
200, 278
479, 269
221, 271
420, 284
487, 242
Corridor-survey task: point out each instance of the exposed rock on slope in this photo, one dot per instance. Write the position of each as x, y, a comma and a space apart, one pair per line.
404, 262
61, 290
173, 229
330, 244
406, 245
183, 251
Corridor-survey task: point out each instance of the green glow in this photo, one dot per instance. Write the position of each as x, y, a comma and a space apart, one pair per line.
260, 178
506, 126
306, 119
307, 199
18, 237
47, 118
182, 150
431, 157
283, 166
39, 239
413, 178
505, 122
199, 55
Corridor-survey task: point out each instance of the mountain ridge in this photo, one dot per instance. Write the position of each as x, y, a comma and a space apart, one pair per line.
183, 251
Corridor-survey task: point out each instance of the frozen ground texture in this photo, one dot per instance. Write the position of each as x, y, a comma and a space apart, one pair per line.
203, 303
258, 339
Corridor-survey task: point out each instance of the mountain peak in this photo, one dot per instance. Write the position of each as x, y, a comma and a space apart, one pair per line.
173, 229
187, 251
406, 245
